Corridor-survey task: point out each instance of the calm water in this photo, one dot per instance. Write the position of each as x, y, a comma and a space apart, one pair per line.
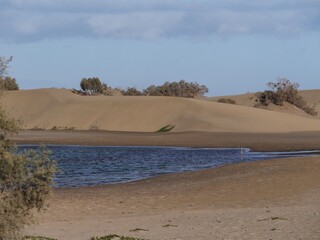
87, 166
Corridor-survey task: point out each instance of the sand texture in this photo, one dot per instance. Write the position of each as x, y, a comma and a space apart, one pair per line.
61, 109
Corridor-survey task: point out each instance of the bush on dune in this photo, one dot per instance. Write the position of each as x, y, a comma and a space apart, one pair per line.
177, 89
284, 91
227, 100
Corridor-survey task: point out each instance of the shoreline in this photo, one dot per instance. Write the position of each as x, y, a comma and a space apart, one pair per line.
268, 199
238, 201
294, 141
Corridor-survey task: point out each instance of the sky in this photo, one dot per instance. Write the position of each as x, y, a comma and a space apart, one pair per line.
231, 46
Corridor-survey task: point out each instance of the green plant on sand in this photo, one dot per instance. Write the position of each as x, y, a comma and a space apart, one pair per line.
166, 128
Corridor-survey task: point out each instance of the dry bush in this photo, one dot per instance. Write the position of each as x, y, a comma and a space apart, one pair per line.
284, 91
227, 100
8, 84
177, 89
131, 91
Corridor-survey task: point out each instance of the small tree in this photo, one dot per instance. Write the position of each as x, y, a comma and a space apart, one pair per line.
6, 82
25, 179
91, 86
4, 62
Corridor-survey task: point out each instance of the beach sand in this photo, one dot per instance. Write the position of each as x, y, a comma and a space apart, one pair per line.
272, 199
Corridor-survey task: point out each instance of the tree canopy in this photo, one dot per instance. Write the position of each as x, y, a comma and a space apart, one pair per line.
91, 86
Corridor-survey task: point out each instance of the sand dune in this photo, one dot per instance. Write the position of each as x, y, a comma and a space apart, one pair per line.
59, 108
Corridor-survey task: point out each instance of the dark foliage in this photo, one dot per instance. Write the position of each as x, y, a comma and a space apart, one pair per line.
177, 89
227, 100
91, 86
131, 91
8, 84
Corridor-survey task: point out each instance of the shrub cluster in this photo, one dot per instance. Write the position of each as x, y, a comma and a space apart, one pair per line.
284, 91
177, 89
227, 100
131, 91
169, 89
8, 84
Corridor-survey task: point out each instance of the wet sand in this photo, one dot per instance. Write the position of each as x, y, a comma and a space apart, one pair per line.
254, 141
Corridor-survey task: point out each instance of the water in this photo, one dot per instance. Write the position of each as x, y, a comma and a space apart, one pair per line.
91, 165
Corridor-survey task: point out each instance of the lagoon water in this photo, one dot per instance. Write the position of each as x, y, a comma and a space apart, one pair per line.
93, 165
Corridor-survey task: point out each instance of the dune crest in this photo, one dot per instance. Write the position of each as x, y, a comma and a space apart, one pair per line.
59, 108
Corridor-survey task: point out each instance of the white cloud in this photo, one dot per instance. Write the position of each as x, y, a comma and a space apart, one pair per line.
29, 20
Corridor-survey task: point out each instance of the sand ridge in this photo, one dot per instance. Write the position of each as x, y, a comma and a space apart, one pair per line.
59, 108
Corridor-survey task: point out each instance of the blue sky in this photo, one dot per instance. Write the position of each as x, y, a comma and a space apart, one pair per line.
231, 46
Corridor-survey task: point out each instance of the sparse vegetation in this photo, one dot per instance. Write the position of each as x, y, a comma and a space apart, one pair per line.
38, 238
139, 230
284, 91
227, 100
115, 237
62, 128
94, 127
166, 128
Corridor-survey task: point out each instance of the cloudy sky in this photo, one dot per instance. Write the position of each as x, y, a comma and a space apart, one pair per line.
232, 46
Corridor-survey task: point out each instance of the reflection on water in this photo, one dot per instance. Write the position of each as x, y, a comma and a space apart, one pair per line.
87, 166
